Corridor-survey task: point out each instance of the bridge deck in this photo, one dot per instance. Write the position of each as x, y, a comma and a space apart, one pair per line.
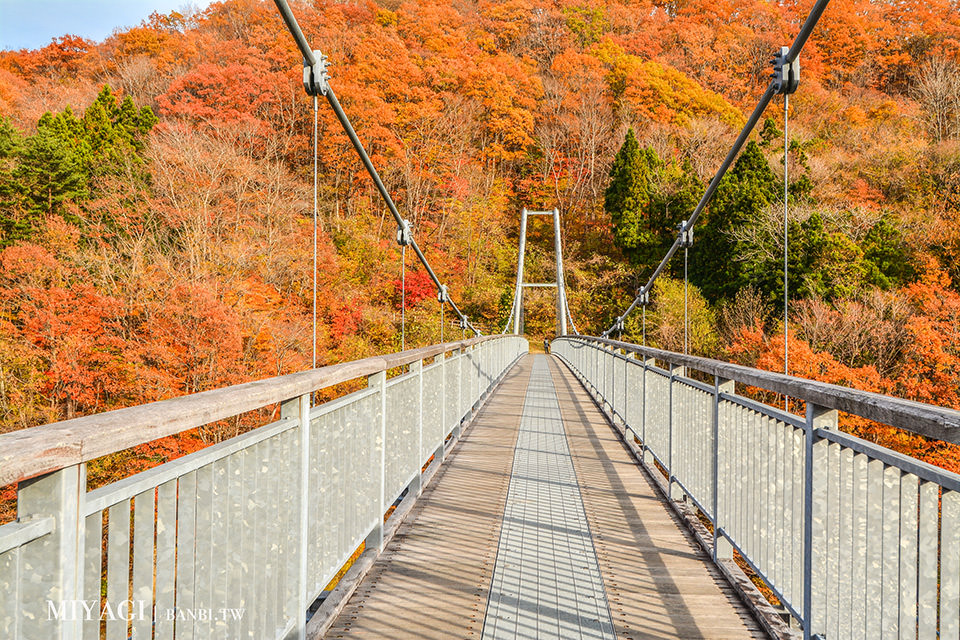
541, 525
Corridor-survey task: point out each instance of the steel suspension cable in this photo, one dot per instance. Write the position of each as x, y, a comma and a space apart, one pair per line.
711, 188
403, 297
644, 315
786, 266
748, 128
358, 146
513, 304
315, 111
686, 320
573, 325
315, 71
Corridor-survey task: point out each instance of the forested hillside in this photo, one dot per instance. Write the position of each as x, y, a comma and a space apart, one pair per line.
156, 203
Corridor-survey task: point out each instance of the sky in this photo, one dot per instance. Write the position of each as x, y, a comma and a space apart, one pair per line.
32, 24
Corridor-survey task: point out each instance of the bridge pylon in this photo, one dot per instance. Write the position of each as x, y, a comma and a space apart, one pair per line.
515, 319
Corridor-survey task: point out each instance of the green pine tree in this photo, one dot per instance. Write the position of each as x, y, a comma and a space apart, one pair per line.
675, 194
628, 195
890, 262
54, 165
63, 162
14, 225
744, 192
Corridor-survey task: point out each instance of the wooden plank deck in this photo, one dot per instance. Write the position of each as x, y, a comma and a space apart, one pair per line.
434, 578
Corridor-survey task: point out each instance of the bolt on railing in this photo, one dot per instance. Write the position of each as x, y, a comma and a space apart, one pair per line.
240, 538
848, 535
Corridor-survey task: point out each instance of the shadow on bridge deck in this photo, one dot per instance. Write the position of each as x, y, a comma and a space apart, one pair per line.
435, 577
659, 582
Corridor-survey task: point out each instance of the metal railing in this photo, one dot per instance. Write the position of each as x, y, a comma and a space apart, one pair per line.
856, 540
238, 539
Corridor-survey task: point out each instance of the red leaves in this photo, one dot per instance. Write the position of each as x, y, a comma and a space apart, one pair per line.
27, 264
65, 57
78, 330
190, 338
931, 370
345, 320
419, 286
236, 93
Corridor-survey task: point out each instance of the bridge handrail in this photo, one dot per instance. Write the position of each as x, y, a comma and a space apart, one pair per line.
256, 525
854, 539
917, 417
38, 450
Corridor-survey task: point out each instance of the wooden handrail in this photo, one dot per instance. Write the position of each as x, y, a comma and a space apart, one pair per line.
38, 450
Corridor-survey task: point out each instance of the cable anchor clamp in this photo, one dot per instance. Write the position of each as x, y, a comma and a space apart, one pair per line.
786, 75
442, 295
404, 235
686, 234
315, 78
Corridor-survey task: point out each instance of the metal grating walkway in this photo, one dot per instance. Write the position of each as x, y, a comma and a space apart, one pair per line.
546, 583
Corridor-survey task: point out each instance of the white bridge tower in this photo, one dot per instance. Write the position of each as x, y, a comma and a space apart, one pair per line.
516, 310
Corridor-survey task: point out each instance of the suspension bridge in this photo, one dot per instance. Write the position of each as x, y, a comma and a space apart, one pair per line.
471, 489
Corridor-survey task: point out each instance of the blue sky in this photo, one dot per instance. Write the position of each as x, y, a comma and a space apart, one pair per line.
33, 23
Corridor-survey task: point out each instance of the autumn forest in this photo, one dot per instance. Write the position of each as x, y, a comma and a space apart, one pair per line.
156, 191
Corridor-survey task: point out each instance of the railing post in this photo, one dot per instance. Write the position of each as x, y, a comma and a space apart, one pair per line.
475, 369
608, 375
722, 549
647, 363
478, 394
462, 378
614, 396
469, 357
814, 525
604, 354
676, 493
591, 367
482, 362
444, 391
299, 409
50, 565
478, 356
595, 369
626, 390
487, 358
595, 382
626, 383
375, 538
416, 485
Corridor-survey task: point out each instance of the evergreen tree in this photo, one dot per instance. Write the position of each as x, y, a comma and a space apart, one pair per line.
831, 265
13, 225
889, 260
744, 192
53, 166
115, 133
628, 195
61, 163
675, 194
